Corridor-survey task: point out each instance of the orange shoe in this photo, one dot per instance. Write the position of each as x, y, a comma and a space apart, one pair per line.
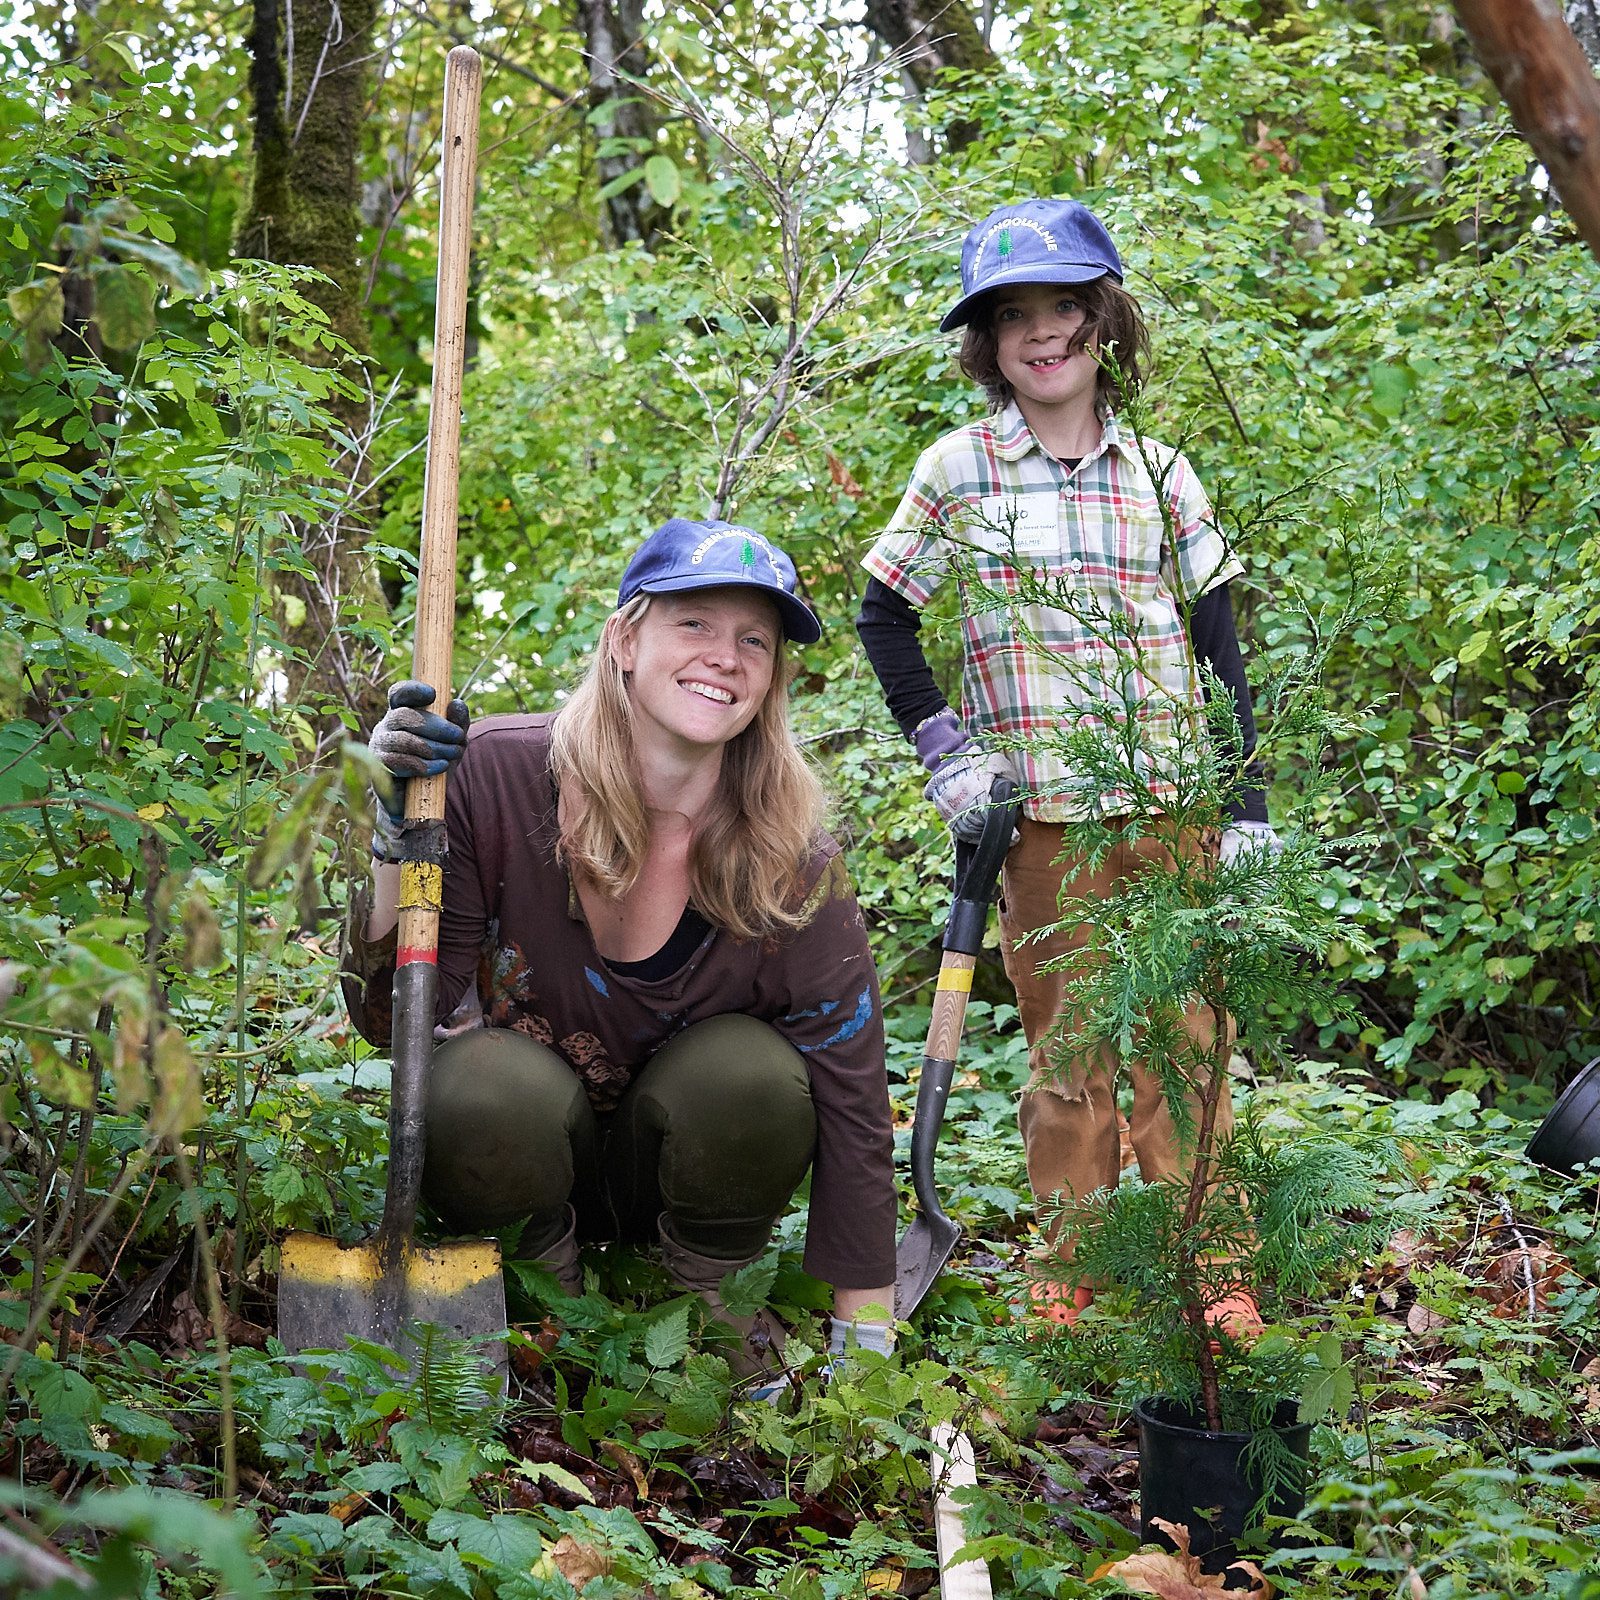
1055, 1302
1237, 1315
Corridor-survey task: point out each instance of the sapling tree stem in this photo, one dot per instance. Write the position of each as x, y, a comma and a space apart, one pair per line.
1194, 1309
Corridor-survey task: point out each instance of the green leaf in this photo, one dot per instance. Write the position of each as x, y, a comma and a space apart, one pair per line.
666, 1340
617, 185
177, 1524
38, 309
662, 179
1390, 386
549, 1472
124, 305
745, 1292
64, 1393
316, 1533
115, 43
1474, 647
501, 1541
175, 272
700, 1399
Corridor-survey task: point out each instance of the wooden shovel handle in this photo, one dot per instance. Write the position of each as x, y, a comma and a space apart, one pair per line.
421, 882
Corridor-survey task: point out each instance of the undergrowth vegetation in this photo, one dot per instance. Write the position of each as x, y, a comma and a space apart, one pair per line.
1363, 311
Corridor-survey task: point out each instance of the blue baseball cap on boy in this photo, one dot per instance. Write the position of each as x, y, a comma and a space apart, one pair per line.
1035, 241
682, 555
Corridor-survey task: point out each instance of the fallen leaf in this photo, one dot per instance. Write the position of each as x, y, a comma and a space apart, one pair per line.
1180, 1576
1405, 1248
526, 1359
347, 1509
578, 1563
1589, 1405
1510, 1276
629, 1463
886, 1579
1420, 1320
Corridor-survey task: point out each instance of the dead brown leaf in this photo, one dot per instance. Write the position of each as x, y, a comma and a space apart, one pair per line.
578, 1563
1180, 1576
1420, 1320
843, 478
526, 1359
1512, 1277
1589, 1403
629, 1463
1406, 1247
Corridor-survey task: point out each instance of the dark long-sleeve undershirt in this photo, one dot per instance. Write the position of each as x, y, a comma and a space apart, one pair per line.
890, 626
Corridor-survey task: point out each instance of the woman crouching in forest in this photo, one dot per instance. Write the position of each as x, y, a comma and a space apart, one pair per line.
654, 977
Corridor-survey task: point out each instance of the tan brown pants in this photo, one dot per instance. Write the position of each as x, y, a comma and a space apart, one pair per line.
1068, 1112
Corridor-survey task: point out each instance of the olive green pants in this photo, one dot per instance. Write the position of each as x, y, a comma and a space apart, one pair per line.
716, 1131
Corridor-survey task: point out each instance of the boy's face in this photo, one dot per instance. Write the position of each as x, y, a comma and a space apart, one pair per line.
1035, 325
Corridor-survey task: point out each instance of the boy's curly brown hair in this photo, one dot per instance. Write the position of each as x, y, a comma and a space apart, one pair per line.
1112, 322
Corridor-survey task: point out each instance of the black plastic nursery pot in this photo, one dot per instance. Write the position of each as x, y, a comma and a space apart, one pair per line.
1570, 1132
1189, 1474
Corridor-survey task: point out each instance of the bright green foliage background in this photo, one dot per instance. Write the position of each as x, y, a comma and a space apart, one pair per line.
1367, 311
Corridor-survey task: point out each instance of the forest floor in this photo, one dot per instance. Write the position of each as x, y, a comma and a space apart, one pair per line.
624, 1462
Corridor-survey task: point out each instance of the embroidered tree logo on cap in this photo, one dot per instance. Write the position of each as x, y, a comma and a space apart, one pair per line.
1002, 245
747, 555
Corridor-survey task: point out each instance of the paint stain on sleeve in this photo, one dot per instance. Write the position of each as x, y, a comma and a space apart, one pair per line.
847, 1029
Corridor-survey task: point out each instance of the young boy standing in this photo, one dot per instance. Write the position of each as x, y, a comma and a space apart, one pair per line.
1050, 478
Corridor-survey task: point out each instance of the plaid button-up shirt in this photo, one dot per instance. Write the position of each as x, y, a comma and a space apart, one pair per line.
1072, 586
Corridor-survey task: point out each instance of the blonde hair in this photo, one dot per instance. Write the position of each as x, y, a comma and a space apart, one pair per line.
747, 863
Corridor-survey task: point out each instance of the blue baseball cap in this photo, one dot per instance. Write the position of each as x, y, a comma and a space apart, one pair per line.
682, 555
1035, 241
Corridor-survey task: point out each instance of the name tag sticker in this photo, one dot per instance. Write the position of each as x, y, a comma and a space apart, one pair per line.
1027, 523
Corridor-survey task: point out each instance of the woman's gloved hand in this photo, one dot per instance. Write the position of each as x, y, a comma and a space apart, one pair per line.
413, 742
845, 1338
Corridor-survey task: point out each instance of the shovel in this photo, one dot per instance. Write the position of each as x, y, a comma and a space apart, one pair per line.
932, 1235
328, 1293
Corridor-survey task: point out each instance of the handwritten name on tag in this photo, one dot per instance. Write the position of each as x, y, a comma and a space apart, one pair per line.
1029, 524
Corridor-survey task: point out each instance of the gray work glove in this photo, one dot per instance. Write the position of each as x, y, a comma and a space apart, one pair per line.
844, 1338
1246, 836
962, 774
413, 742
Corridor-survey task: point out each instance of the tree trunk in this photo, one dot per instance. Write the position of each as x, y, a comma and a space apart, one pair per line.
1583, 17
1538, 66
626, 124
308, 80
930, 37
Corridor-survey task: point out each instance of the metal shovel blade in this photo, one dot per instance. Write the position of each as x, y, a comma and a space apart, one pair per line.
328, 1292
925, 1247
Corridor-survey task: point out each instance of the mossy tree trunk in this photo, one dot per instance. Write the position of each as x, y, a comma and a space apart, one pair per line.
625, 121
931, 37
308, 82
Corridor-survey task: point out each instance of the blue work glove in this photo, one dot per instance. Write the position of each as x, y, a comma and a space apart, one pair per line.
1246, 836
962, 775
413, 742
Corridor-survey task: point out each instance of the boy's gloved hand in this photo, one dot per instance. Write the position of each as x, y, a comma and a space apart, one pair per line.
1244, 836
962, 773
413, 742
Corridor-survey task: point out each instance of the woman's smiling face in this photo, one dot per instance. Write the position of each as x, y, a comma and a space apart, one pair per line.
1035, 325
700, 665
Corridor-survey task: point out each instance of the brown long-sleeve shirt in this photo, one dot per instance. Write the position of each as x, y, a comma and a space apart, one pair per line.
512, 926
